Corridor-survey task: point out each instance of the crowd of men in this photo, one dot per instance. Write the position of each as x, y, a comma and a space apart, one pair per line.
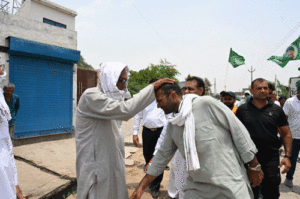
217, 148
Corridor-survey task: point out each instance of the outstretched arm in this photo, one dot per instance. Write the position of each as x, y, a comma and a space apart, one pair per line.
93, 104
142, 186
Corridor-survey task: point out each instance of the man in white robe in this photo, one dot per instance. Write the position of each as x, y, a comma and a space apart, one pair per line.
100, 164
8, 169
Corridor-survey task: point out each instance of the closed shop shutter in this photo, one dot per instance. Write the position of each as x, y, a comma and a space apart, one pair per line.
45, 90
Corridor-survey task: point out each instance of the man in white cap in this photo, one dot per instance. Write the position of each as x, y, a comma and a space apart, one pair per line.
100, 164
247, 95
8, 171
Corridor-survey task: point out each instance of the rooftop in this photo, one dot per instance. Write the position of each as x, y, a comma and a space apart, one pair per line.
57, 7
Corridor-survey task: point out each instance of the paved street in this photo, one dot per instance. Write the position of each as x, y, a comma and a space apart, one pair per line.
48, 167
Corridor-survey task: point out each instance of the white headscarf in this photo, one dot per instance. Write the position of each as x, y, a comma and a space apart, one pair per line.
185, 117
108, 76
4, 112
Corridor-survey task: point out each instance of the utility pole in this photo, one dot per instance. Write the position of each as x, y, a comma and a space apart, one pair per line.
251, 71
215, 87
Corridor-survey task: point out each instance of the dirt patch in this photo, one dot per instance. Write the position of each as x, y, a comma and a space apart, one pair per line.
135, 174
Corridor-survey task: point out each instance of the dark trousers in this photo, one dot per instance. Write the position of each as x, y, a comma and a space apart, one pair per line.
149, 142
270, 185
295, 153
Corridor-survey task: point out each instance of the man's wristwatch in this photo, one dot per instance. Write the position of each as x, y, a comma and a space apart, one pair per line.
288, 156
256, 168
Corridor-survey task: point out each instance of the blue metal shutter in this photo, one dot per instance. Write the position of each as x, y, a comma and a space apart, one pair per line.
45, 90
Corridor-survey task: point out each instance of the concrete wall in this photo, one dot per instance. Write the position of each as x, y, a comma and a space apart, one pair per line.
13, 25
37, 11
24, 11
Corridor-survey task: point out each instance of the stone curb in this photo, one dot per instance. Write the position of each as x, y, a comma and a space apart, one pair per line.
43, 168
61, 191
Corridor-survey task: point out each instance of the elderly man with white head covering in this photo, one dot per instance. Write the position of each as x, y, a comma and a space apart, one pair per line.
8, 171
100, 163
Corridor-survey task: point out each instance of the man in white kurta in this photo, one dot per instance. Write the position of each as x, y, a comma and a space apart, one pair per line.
222, 143
100, 163
178, 173
8, 169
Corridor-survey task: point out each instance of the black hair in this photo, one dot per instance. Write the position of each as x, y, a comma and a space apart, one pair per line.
167, 88
200, 82
259, 80
271, 86
282, 97
290, 48
153, 80
222, 93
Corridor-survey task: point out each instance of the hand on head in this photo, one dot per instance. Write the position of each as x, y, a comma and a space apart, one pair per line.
160, 82
1, 71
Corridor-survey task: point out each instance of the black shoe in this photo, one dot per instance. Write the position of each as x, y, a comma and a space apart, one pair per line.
154, 193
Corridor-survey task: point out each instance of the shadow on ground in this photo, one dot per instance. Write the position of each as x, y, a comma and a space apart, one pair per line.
285, 189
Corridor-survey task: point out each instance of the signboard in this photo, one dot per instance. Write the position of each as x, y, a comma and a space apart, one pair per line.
293, 88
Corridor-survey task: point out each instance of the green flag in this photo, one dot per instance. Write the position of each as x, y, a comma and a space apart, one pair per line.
235, 59
290, 54
281, 61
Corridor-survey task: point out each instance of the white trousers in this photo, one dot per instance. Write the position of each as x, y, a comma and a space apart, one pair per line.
8, 170
178, 176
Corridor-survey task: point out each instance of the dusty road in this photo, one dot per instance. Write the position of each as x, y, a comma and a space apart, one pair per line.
135, 173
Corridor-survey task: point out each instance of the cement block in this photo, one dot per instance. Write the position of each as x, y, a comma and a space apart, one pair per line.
129, 162
129, 151
58, 156
35, 183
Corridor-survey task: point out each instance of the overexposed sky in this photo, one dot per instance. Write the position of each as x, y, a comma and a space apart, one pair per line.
196, 35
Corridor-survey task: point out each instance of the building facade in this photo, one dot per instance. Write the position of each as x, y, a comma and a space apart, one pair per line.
39, 44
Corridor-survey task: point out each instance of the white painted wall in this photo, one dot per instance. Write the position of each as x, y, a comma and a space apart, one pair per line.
37, 11
17, 26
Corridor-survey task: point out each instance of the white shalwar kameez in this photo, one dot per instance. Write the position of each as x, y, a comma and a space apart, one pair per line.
8, 169
100, 154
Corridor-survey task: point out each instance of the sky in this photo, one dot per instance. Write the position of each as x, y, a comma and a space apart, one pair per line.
195, 35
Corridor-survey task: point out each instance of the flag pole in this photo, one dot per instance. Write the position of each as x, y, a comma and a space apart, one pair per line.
226, 76
276, 90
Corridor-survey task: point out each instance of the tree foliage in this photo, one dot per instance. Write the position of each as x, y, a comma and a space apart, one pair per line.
207, 86
139, 80
83, 65
284, 89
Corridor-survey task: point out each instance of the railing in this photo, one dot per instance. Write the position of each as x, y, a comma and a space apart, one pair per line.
16, 4
4, 6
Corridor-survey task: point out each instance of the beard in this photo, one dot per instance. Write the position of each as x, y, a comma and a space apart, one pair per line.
230, 105
261, 97
170, 108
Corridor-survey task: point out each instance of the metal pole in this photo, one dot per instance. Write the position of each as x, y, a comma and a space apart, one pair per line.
226, 76
215, 87
251, 71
